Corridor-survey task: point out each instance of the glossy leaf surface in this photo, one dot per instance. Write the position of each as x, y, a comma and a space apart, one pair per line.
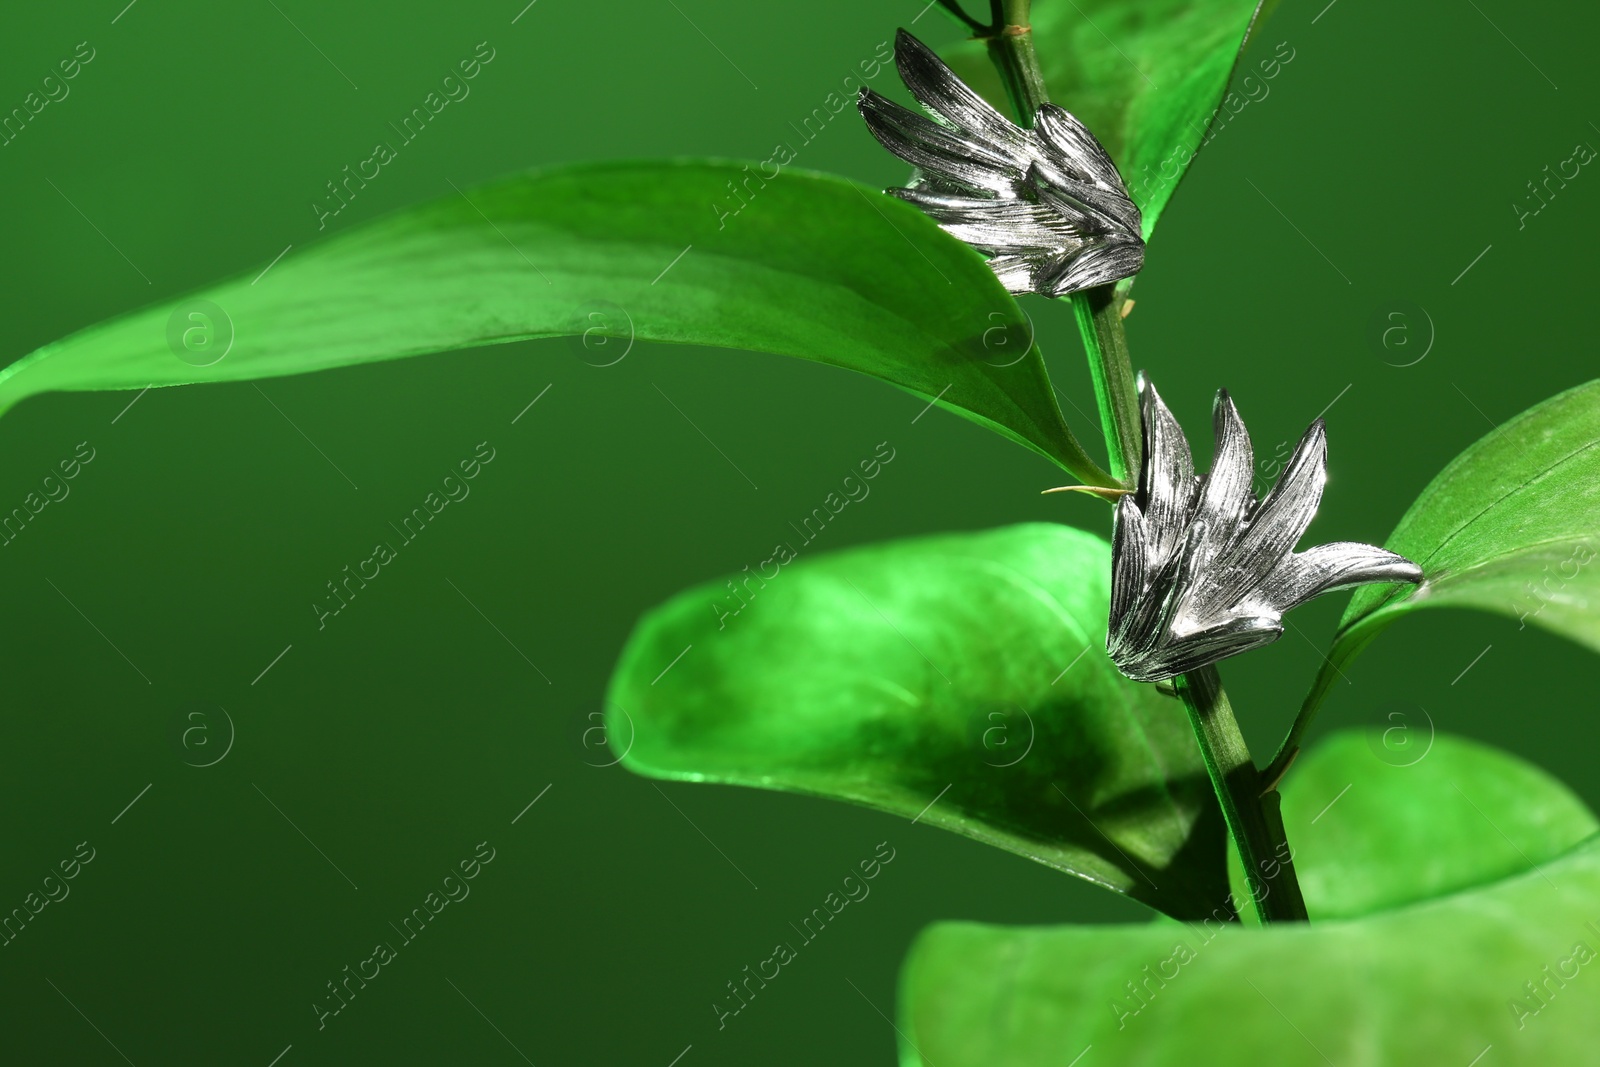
1435, 983
1382, 819
804, 265
1431, 982
967, 672
1146, 78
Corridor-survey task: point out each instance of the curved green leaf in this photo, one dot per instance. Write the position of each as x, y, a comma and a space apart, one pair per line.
1512, 526
1511, 966
961, 679
1377, 825
1147, 78
808, 265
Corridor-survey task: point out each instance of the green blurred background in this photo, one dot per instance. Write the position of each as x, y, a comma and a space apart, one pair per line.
378, 752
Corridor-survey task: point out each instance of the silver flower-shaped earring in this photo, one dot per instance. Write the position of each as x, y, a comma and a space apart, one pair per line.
1046, 204
1200, 570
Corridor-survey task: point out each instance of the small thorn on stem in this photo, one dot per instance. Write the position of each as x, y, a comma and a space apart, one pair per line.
1104, 492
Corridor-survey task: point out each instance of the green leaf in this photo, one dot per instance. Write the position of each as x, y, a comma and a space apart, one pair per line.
1512, 526
1435, 983
1383, 819
966, 672
811, 266
1146, 78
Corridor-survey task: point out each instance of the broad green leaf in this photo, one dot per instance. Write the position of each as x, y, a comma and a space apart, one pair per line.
959, 678
1513, 966
1512, 526
1146, 78
809, 266
1377, 823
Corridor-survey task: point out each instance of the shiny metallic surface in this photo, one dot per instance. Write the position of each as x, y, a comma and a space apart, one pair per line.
1202, 570
1046, 204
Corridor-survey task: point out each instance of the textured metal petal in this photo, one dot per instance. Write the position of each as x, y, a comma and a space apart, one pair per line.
1069, 145
1338, 565
1200, 572
937, 88
1129, 570
1015, 272
1166, 485
1240, 633
1000, 226
926, 144
1046, 203
1092, 210
1096, 265
1182, 580
1292, 504
1081, 172
1274, 528
1146, 627
1225, 496
1137, 635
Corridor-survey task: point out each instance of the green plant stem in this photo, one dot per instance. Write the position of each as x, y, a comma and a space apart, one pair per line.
1099, 313
1011, 51
1254, 820
1098, 310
